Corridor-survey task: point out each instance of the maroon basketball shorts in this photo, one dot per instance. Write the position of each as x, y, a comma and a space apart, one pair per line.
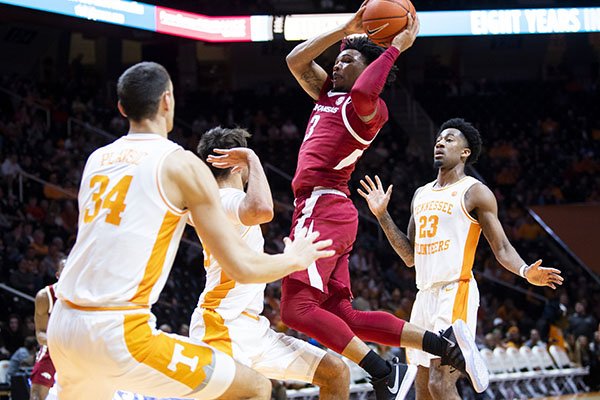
43, 370
333, 215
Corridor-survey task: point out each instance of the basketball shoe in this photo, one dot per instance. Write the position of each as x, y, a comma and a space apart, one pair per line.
397, 383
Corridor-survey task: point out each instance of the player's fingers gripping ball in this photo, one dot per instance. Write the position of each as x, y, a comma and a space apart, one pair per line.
384, 19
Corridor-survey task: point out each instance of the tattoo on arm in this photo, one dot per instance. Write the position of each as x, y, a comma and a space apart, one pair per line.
397, 239
312, 80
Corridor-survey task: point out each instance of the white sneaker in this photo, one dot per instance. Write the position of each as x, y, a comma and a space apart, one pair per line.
461, 353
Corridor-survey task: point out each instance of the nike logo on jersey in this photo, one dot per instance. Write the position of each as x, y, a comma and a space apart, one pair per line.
375, 31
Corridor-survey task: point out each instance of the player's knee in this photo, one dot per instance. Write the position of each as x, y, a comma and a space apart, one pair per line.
262, 390
332, 372
290, 315
286, 314
248, 384
258, 389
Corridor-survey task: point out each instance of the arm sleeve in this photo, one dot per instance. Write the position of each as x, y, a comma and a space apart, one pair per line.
369, 85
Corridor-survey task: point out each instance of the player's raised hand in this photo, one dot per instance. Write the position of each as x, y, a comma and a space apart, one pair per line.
407, 37
234, 158
355, 25
305, 250
377, 199
541, 276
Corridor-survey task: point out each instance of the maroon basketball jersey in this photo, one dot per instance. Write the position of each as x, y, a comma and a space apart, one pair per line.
335, 139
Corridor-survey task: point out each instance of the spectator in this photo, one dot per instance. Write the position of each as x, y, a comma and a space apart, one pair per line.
10, 167
594, 376
34, 211
508, 312
9, 171
513, 337
38, 245
580, 323
583, 356
24, 278
23, 357
534, 339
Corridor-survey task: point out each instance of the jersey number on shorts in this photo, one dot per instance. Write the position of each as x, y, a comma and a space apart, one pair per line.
432, 221
114, 201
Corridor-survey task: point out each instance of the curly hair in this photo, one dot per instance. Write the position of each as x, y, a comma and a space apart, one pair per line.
470, 133
369, 50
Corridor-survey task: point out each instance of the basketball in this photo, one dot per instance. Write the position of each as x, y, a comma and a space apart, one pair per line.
384, 19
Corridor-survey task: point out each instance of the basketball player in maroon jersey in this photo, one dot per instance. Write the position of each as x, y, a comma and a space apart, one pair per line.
42, 375
347, 115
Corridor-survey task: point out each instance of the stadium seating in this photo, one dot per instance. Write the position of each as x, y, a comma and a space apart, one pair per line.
572, 374
530, 373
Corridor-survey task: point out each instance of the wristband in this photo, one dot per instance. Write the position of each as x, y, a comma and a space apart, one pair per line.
522, 270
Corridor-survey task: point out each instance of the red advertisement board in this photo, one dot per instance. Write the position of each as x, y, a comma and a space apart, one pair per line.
202, 27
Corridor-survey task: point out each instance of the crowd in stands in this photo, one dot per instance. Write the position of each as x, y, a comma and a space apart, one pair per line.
548, 155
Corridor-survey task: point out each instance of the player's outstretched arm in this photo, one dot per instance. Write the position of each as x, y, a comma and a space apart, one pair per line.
369, 85
378, 200
40, 317
301, 62
480, 199
189, 184
257, 206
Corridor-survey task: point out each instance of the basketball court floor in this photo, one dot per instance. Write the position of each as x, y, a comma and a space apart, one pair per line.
595, 395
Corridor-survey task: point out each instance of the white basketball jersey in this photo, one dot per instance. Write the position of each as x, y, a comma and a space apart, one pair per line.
446, 235
222, 294
128, 231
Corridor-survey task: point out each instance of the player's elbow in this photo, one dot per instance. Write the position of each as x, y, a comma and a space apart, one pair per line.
257, 215
239, 272
244, 275
296, 62
359, 93
265, 214
292, 61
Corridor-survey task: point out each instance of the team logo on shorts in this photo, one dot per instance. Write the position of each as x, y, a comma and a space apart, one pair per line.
340, 100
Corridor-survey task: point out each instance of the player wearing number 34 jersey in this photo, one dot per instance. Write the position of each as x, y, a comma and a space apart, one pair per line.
136, 197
